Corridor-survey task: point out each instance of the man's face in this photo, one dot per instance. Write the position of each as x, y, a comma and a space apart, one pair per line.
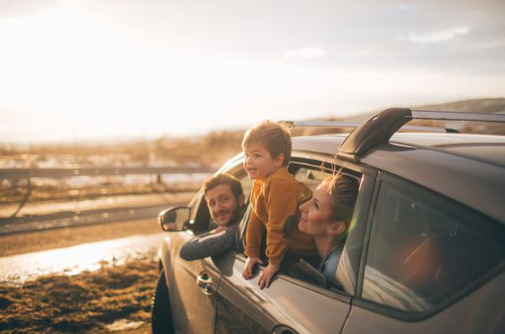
223, 205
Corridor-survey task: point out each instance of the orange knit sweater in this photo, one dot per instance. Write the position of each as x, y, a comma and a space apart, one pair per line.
273, 201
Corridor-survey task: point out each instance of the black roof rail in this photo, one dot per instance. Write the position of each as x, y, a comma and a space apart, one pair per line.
338, 124
380, 128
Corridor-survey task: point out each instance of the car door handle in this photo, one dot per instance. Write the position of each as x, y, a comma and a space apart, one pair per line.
205, 283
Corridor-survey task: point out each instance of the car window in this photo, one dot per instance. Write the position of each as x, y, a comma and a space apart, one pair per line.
424, 249
311, 177
202, 220
294, 266
307, 269
246, 187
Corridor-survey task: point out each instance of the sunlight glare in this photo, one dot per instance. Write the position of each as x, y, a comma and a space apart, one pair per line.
78, 75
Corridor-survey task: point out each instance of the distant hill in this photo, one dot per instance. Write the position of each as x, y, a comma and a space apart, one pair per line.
496, 105
489, 105
214, 148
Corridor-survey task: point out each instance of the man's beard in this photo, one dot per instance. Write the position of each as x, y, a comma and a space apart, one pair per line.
235, 216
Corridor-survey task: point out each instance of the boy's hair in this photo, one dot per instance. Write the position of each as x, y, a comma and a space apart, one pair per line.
344, 191
223, 178
273, 135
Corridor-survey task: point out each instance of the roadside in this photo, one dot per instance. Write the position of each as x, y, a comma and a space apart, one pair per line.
59, 214
113, 299
76, 206
57, 238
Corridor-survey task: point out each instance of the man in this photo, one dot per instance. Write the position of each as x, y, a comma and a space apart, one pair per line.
225, 200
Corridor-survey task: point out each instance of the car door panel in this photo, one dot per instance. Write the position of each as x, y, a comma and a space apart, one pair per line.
244, 308
463, 317
193, 305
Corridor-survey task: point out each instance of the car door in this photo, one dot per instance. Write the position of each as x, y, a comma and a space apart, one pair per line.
193, 283
294, 303
432, 265
288, 306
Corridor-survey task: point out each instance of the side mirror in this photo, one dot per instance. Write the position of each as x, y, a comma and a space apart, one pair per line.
175, 218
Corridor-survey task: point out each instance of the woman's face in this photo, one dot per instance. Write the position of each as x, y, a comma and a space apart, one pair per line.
316, 214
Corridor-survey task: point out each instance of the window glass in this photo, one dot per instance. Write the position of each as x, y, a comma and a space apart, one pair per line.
246, 186
311, 177
202, 222
424, 249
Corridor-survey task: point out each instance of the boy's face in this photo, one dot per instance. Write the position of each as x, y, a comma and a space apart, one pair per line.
224, 207
259, 163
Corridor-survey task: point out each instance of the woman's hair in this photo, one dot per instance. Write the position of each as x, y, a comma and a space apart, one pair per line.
343, 190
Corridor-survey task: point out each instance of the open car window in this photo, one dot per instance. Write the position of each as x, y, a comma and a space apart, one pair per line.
305, 270
201, 219
311, 177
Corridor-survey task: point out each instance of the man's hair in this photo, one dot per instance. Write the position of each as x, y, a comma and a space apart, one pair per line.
223, 178
344, 191
273, 135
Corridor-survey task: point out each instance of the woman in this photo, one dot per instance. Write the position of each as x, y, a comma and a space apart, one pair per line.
326, 217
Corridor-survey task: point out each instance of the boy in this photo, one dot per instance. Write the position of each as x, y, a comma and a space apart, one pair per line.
275, 196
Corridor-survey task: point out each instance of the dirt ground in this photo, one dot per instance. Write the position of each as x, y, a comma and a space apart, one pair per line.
114, 299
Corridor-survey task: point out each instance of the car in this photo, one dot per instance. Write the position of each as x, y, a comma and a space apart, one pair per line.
424, 254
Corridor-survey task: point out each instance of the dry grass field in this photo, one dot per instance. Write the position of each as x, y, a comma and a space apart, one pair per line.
87, 303
113, 299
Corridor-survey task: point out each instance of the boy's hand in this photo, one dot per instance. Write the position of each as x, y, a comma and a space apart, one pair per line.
249, 266
267, 275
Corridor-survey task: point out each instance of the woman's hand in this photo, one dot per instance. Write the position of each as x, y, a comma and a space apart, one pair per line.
266, 276
249, 266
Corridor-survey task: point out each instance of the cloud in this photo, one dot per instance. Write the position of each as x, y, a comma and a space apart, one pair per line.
304, 53
438, 36
22, 8
406, 7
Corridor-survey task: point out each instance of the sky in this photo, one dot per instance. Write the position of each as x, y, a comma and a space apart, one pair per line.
102, 69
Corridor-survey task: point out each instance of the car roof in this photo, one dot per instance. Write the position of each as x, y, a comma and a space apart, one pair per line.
449, 163
484, 148
488, 148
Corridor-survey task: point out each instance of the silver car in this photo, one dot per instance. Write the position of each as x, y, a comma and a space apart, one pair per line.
425, 252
